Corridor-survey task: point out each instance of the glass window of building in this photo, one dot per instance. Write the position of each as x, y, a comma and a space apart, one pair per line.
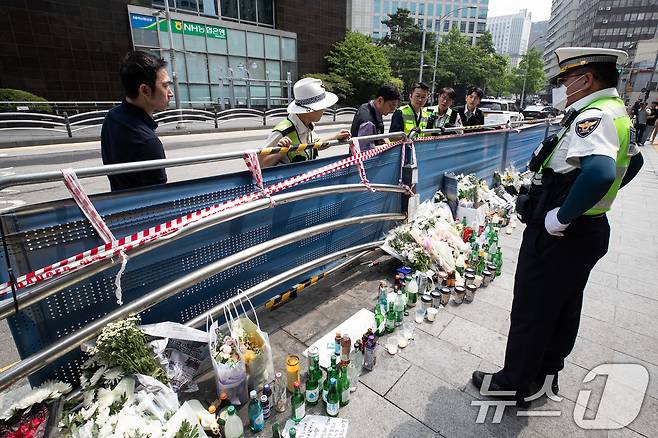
421, 9
273, 69
248, 10
265, 12
197, 67
376, 20
255, 45
217, 45
218, 67
430, 10
288, 49
471, 27
378, 6
462, 27
272, 49
446, 26
236, 42
229, 9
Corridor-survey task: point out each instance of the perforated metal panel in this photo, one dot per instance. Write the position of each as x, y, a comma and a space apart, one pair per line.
57, 230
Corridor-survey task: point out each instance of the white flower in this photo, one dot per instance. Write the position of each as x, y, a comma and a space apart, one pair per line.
89, 396
226, 349
87, 413
113, 375
97, 376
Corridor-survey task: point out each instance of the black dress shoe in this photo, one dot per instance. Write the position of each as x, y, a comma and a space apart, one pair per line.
519, 397
555, 386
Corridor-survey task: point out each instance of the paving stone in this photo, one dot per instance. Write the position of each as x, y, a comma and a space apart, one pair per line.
388, 370
372, 415
560, 426
604, 311
441, 321
638, 287
311, 326
477, 340
646, 422
621, 299
343, 306
498, 296
445, 408
619, 339
482, 312
588, 354
636, 322
284, 344
441, 358
652, 390
604, 278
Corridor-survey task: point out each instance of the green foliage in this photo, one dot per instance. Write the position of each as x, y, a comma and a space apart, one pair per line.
363, 64
530, 71
9, 94
336, 84
187, 430
403, 46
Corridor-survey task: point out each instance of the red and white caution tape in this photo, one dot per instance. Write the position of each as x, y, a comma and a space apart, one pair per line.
80, 197
171, 228
251, 160
355, 149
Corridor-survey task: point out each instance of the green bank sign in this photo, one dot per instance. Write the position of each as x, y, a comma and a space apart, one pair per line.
147, 22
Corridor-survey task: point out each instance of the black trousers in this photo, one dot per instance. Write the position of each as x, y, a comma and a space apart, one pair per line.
551, 275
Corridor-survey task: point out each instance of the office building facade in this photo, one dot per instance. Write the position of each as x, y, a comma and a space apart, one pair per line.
366, 16
73, 52
560, 33
511, 34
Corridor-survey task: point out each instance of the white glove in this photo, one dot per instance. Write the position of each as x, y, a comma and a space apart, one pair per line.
553, 226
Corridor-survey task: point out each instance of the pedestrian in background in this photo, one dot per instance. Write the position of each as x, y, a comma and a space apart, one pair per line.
368, 119
641, 123
442, 115
128, 132
470, 114
652, 115
413, 116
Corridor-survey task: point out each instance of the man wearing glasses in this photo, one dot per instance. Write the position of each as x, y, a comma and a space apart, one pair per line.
413, 116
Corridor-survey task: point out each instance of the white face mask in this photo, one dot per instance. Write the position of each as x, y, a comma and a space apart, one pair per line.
560, 95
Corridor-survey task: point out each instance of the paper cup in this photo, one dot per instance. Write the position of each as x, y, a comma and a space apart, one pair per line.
431, 314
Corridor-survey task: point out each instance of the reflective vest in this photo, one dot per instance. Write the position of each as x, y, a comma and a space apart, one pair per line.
623, 124
287, 129
409, 118
445, 121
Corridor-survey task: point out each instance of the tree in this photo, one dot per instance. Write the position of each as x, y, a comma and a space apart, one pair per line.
363, 64
458, 61
333, 82
403, 46
530, 71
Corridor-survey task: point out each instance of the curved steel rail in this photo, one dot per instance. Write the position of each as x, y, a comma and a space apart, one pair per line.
58, 349
34, 295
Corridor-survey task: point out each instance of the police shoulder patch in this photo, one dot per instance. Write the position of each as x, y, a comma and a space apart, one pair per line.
587, 126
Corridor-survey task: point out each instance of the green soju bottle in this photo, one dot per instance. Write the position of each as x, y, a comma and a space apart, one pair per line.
297, 404
333, 398
498, 260
292, 433
390, 319
276, 432
380, 320
344, 386
312, 388
325, 386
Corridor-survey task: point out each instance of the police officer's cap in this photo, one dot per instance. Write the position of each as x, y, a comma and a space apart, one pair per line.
570, 58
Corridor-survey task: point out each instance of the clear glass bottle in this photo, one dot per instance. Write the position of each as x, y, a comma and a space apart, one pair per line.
280, 395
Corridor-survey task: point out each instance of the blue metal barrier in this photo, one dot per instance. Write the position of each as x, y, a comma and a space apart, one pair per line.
39, 235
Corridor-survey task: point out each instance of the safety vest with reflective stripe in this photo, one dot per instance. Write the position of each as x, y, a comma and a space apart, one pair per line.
623, 124
287, 129
409, 118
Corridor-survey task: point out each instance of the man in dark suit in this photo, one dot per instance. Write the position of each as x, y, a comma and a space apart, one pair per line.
470, 114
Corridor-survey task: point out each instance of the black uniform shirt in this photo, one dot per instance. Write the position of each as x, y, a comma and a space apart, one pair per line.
128, 135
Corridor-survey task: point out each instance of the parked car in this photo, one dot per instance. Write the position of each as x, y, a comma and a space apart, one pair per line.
539, 112
500, 111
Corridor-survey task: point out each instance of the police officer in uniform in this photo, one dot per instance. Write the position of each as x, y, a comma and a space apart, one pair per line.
311, 99
578, 174
413, 116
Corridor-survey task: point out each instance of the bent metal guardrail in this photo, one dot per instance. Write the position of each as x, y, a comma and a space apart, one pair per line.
75, 123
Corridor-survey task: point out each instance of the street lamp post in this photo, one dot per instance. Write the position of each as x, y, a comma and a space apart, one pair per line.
436, 52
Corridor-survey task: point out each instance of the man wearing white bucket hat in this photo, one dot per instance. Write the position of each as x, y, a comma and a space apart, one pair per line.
311, 99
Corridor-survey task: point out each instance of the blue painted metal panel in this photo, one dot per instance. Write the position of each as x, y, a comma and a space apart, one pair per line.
42, 234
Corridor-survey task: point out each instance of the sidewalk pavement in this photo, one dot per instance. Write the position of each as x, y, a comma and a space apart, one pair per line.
425, 390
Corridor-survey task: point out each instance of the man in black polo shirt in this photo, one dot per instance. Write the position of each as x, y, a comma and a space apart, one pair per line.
128, 133
470, 114
368, 120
